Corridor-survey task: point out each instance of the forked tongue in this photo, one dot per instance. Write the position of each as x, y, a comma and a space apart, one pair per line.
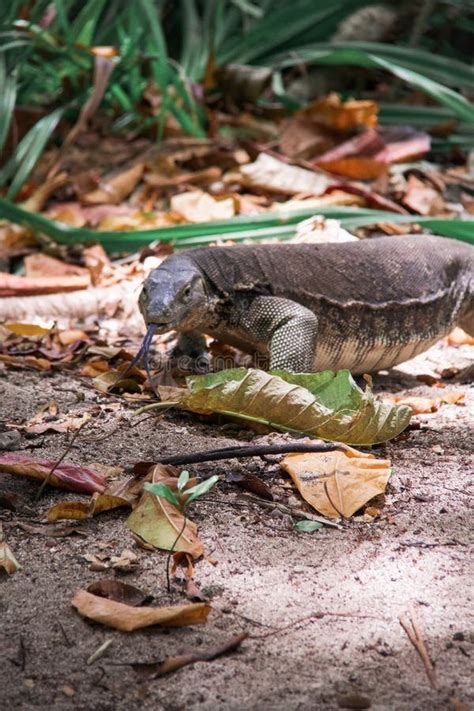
143, 354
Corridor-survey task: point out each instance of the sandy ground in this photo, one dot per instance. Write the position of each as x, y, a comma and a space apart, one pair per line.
354, 582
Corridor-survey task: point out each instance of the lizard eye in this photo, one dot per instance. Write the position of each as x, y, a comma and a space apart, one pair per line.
187, 290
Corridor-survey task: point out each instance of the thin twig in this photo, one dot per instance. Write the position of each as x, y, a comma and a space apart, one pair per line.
257, 450
46, 481
99, 652
412, 629
171, 551
309, 618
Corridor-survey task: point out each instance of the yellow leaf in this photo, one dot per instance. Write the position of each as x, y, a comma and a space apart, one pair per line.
337, 483
26, 329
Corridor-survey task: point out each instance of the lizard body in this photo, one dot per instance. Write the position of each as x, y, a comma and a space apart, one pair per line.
360, 305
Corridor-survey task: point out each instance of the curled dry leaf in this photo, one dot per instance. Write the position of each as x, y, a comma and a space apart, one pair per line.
126, 562
79, 510
338, 115
126, 618
422, 198
274, 175
116, 495
251, 483
115, 189
65, 476
425, 405
368, 155
337, 483
120, 592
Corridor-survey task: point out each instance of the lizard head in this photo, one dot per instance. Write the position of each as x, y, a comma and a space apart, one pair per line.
174, 295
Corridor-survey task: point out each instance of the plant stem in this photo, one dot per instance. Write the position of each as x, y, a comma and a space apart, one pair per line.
46, 481
170, 554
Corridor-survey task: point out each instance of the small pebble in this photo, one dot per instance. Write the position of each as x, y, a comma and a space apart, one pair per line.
10, 440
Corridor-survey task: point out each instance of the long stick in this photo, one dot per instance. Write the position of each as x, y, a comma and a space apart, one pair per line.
257, 450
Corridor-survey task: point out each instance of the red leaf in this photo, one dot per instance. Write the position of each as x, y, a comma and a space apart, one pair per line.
65, 476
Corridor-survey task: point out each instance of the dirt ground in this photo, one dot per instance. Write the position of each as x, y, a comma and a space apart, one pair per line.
355, 582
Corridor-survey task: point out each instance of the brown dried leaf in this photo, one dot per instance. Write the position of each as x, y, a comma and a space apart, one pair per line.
341, 116
194, 206
251, 483
302, 138
127, 618
39, 265
268, 173
13, 285
80, 510
126, 562
422, 198
120, 592
117, 188
337, 483
368, 155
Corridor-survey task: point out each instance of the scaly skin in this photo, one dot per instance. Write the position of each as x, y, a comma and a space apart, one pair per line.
360, 305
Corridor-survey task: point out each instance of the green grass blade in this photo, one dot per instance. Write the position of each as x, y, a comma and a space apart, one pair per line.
276, 224
29, 151
8, 88
281, 24
443, 70
84, 25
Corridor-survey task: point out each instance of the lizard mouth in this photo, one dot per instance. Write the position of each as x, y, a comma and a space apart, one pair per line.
161, 326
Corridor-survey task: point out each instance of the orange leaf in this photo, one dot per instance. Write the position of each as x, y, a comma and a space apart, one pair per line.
127, 618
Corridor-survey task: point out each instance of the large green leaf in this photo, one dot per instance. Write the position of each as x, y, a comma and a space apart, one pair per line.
329, 405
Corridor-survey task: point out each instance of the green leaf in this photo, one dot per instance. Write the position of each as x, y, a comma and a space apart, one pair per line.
164, 491
329, 405
199, 489
183, 480
308, 526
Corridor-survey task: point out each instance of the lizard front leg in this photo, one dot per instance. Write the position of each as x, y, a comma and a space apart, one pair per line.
190, 352
289, 329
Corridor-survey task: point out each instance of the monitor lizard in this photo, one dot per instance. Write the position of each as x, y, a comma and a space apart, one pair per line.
364, 305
